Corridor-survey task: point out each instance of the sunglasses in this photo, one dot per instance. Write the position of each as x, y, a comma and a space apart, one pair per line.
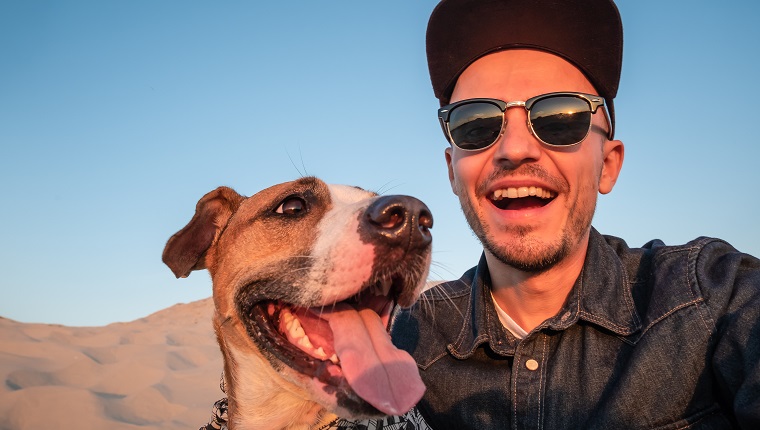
556, 119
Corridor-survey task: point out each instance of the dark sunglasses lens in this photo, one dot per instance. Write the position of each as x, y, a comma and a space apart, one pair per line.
475, 125
561, 120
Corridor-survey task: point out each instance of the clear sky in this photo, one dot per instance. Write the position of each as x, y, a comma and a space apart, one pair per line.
117, 116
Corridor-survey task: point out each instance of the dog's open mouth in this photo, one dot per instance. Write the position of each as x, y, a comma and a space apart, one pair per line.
344, 345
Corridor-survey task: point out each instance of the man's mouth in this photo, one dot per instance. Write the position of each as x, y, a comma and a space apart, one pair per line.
516, 198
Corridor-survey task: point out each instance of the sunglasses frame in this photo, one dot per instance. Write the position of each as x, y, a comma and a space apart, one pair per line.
594, 103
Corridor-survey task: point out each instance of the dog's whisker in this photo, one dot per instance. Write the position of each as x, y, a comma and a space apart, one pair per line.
303, 173
443, 267
226, 321
382, 190
442, 292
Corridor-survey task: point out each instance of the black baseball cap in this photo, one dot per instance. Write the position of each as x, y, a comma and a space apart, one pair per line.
587, 33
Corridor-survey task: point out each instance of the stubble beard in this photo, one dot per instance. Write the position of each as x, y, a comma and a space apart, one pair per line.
528, 253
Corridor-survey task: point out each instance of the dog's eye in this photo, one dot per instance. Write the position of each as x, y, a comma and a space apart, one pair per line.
292, 205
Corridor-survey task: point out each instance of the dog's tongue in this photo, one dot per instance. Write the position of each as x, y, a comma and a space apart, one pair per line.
383, 375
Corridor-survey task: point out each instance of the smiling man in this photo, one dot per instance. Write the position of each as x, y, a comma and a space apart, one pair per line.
529, 202
558, 326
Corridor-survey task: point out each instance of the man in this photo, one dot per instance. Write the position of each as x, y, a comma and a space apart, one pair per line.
558, 326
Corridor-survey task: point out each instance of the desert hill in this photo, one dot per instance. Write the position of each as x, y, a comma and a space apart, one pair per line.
157, 372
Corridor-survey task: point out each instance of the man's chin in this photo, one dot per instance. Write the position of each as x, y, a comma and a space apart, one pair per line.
521, 247
526, 253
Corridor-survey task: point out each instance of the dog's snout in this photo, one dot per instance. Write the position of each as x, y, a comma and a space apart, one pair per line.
400, 219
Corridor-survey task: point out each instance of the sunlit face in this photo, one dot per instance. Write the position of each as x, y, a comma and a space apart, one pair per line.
536, 232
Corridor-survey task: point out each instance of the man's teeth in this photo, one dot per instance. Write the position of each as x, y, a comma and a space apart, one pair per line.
516, 193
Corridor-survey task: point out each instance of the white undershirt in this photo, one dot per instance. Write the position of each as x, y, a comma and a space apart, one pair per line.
508, 322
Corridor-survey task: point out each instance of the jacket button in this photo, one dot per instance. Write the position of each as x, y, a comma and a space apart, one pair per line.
531, 364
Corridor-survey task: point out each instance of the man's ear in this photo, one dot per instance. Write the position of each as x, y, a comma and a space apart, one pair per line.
613, 153
449, 166
186, 250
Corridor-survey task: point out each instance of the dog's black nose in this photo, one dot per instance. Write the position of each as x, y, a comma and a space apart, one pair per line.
400, 220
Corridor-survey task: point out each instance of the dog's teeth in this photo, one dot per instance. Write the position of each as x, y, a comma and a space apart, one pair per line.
287, 318
320, 352
298, 337
381, 288
290, 322
305, 342
297, 330
293, 325
386, 285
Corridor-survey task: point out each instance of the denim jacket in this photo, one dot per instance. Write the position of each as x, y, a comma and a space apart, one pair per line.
659, 337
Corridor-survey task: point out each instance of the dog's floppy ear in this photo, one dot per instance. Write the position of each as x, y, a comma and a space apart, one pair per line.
186, 250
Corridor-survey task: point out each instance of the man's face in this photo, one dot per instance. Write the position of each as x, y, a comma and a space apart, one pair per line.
531, 233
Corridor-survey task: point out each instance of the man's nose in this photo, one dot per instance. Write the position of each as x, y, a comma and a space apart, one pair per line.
517, 145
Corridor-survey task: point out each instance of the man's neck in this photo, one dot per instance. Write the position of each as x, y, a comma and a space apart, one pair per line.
531, 298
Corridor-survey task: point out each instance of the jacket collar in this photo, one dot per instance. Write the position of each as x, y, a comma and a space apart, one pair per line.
601, 296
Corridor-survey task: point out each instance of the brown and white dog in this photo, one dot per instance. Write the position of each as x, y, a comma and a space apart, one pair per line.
305, 276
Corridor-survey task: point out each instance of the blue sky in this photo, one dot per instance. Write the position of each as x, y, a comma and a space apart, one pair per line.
116, 117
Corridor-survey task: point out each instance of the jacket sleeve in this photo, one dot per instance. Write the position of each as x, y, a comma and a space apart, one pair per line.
730, 283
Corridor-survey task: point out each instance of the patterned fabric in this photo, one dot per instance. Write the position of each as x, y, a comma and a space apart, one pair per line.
411, 420
219, 419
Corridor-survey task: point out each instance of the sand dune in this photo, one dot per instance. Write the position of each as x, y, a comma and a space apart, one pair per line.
158, 372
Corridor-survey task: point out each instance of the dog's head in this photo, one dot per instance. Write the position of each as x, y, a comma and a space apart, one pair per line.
307, 274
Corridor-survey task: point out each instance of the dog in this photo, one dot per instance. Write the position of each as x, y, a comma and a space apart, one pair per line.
305, 276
